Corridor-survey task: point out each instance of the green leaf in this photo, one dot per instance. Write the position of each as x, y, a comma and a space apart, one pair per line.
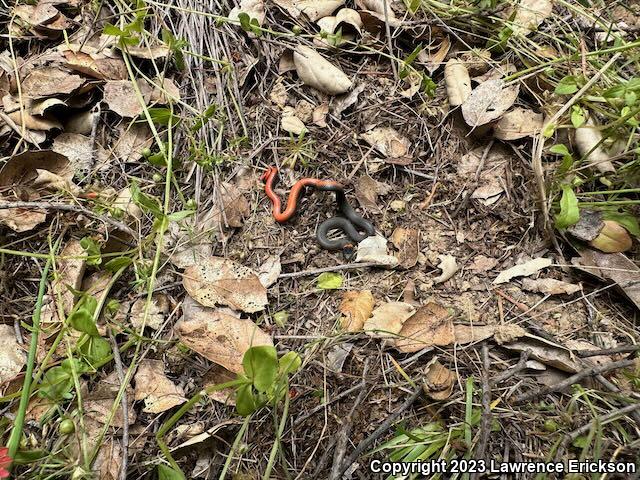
569, 212
56, 384
329, 281
95, 350
177, 216
261, 366
290, 362
560, 149
281, 318
567, 85
82, 321
113, 31
245, 21
245, 401
627, 220
163, 116
144, 201
117, 263
577, 116
581, 442
92, 249
548, 130
166, 472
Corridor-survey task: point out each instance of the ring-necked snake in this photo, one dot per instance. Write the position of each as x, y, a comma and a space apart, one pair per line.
350, 222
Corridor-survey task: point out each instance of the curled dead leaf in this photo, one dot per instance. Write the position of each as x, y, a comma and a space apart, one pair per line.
523, 269
438, 380
50, 81
317, 72
448, 265
356, 308
589, 139
219, 281
612, 238
457, 82
374, 249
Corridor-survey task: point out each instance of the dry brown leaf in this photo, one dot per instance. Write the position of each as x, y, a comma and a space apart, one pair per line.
518, 123
219, 337
615, 267
151, 52
68, 278
588, 138
315, 9
340, 103
278, 94
317, 72
530, 14
290, 123
367, 191
219, 281
232, 205
488, 102
152, 385
387, 141
438, 380
253, 8
407, 241
99, 402
121, 98
386, 320
523, 270
108, 460
132, 139
96, 65
457, 82
18, 176
431, 325
559, 357
448, 265
12, 356
18, 115
217, 375
356, 308
549, 286
81, 123
81, 151
49, 81
473, 333
270, 270
374, 15
483, 264
374, 249
158, 309
41, 107
434, 56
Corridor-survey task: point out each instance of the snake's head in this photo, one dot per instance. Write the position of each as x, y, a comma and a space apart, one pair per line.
268, 173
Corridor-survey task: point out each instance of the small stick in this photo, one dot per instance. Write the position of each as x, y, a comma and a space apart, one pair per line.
607, 351
507, 374
347, 266
485, 424
384, 426
125, 408
65, 207
587, 372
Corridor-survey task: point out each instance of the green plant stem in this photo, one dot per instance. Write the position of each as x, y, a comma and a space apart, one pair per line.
166, 426
280, 431
234, 447
16, 432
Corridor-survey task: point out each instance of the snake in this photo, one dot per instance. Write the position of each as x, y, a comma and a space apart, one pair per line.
349, 222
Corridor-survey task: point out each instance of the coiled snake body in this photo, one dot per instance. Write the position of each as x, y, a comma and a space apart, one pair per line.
350, 222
